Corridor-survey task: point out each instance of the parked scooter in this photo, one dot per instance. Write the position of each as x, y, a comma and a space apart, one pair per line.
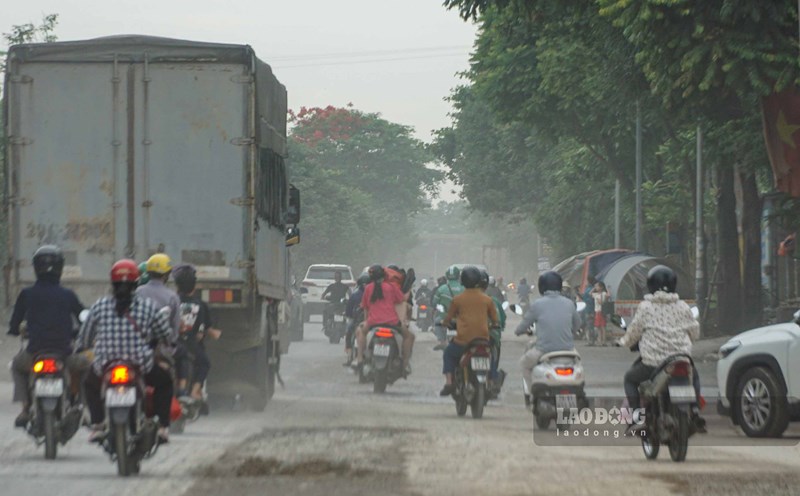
383, 359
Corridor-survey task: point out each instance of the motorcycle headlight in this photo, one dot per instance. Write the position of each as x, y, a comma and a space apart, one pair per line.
728, 348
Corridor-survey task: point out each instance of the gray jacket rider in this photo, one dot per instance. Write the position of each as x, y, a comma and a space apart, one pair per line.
556, 318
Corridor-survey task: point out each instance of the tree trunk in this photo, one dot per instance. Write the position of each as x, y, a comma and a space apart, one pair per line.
751, 231
728, 281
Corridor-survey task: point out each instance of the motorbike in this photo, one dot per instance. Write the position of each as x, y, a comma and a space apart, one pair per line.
669, 399
558, 383
132, 435
336, 327
424, 317
55, 417
471, 377
383, 358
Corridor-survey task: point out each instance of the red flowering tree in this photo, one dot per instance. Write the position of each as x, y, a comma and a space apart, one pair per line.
362, 177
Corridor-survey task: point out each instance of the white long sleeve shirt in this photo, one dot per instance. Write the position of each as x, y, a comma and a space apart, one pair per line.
663, 326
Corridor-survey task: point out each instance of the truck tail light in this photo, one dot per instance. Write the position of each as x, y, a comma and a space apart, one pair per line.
222, 295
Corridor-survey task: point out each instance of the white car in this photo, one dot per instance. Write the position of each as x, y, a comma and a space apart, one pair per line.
318, 277
758, 374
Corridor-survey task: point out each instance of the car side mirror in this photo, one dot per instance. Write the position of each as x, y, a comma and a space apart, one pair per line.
292, 236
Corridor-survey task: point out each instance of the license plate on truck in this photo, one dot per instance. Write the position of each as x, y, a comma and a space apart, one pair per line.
381, 350
48, 388
566, 401
682, 394
120, 397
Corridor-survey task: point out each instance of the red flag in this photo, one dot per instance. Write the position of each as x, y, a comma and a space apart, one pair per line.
781, 115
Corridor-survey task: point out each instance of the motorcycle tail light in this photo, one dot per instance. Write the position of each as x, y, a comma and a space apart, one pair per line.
46, 366
564, 371
120, 374
384, 333
679, 369
423, 307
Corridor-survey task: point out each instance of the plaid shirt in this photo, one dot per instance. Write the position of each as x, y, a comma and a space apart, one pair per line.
115, 337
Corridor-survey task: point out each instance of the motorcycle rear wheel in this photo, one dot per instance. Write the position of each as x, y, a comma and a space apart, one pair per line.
121, 449
50, 441
679, 441
479, 401
379, 386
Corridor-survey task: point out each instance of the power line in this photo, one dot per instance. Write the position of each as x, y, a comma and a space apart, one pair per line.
370, 61
366, 53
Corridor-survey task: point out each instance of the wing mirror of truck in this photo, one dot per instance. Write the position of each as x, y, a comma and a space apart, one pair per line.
292, 236
293, 211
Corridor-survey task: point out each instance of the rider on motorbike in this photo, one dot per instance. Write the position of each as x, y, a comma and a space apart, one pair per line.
356, 315
444, 296
380, 303
126, 325
423, 294
48, 309
494, 292
663, 326
196, 324
556, 318
524, 291
334, 293
495, 333
473, 311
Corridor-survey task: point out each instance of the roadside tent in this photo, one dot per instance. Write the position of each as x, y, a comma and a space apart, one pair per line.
626, 278
577, 269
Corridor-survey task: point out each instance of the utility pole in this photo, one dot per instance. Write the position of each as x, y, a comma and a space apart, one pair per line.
639, 217
617, 240
700, 287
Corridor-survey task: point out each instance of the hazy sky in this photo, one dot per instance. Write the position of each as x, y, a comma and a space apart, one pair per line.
408, 51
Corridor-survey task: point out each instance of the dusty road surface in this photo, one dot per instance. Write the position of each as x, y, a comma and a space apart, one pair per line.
325, 434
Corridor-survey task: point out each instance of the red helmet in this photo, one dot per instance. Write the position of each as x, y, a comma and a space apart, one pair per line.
125, 270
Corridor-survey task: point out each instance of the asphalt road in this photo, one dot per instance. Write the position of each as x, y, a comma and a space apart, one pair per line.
326, 434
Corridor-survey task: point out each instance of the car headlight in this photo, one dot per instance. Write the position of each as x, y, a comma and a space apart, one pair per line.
728, 348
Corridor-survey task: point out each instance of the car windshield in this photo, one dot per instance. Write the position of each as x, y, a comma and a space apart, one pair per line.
327, 273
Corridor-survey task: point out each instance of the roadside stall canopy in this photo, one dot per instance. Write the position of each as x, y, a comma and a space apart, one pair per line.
577, 269
626, 278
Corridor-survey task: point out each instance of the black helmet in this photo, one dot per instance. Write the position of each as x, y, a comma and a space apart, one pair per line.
185, 277
484, 284
470, 277
48, 261
363, 280
661, 278
550, 281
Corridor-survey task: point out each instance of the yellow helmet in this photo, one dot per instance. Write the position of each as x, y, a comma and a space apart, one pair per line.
159, 263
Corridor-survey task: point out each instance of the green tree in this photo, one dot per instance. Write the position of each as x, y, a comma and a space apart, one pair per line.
365, 177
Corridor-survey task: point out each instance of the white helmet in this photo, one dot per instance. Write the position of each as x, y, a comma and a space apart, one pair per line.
424, 282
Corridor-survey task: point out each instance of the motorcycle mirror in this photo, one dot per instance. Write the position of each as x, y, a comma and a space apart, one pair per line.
797, 316
83, 316
440, 308
581, 306
506, 304
622, 324
516, 309
695, 313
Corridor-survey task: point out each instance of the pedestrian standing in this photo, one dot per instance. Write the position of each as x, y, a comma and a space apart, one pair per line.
600, 295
